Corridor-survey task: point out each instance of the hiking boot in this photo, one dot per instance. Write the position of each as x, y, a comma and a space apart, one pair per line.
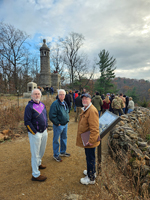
42, 166
86, 181
65, 154
85, 173
40, 178
58, 159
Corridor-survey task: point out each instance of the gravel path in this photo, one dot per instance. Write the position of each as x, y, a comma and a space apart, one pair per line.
62, 178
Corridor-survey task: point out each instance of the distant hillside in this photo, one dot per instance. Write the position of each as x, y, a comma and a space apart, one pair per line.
127, 86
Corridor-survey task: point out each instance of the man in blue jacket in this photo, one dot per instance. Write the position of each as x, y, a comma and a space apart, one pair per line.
59, 116
35, 119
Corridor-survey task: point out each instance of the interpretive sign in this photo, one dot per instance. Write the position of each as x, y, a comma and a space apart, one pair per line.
106, 122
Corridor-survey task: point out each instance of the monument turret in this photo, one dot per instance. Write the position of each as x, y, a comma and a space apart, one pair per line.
45, 75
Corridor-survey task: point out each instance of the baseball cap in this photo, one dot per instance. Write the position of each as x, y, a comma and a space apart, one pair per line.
86, 95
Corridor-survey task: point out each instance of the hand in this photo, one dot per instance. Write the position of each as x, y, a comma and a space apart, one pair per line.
88, 144
59, 124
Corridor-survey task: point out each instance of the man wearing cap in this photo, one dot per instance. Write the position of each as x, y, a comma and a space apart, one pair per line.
89, 121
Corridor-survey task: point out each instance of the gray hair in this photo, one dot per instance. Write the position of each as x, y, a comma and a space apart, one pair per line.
61, 90
34, 90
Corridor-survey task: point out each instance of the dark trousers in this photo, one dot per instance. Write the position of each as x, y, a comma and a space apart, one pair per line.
118, 112
90, 160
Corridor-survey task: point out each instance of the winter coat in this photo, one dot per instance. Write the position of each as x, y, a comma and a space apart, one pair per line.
76, 95
117, 103
35, 117
58, 113
124, 101
131, 105
78, 102
97, 102
71, 96
105, 105
68, 99
89, 121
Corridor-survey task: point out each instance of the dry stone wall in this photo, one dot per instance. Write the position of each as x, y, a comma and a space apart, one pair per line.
129, 147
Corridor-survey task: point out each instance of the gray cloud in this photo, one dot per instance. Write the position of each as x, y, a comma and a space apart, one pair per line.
119, 26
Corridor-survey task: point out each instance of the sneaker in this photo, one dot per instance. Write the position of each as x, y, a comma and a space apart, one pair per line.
65, 154
85, 173
86, 181
40, 178
58, 159
42, 166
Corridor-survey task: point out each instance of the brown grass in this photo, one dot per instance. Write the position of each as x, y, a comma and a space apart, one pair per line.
145, 129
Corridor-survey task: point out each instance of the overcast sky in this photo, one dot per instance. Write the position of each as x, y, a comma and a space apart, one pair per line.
121, 27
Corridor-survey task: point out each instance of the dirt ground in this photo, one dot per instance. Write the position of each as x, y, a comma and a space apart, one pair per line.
62, 178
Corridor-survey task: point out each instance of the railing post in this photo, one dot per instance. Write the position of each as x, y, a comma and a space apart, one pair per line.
99, 156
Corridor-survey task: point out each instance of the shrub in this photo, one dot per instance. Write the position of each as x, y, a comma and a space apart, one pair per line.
144, 103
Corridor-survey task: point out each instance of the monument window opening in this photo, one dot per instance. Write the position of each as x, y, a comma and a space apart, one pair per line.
30, 89
44, 53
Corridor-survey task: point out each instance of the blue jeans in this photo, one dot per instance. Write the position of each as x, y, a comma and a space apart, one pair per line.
123, 110
99, 112
130, 110
70, 105
37, 147
74, 107
90, 160
59, 131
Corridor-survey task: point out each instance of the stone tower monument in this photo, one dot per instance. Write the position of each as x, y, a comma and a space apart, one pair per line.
45, 75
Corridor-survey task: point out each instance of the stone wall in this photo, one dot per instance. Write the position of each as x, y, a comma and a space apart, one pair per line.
130, 149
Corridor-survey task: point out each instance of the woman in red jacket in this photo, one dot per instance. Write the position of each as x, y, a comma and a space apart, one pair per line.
106, 104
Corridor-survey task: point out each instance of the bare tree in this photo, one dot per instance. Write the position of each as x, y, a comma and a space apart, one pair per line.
7, 72
83, 72
57, 62
13, 48
71, 45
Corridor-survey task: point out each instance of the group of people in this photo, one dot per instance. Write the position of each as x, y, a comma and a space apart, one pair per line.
36, 121
118, 104
49, 90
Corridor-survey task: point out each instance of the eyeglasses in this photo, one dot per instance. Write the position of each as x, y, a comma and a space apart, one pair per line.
36, 94
61, 94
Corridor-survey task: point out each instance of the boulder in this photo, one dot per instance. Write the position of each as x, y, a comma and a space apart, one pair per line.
6, 132
142, 144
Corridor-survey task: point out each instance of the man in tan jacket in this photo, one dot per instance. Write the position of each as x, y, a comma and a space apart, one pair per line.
89, 121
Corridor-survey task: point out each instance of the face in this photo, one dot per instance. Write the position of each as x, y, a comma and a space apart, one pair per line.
86, 101
36, 96
61, 96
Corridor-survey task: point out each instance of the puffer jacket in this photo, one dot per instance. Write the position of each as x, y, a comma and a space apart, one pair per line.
97, 102
89, 121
